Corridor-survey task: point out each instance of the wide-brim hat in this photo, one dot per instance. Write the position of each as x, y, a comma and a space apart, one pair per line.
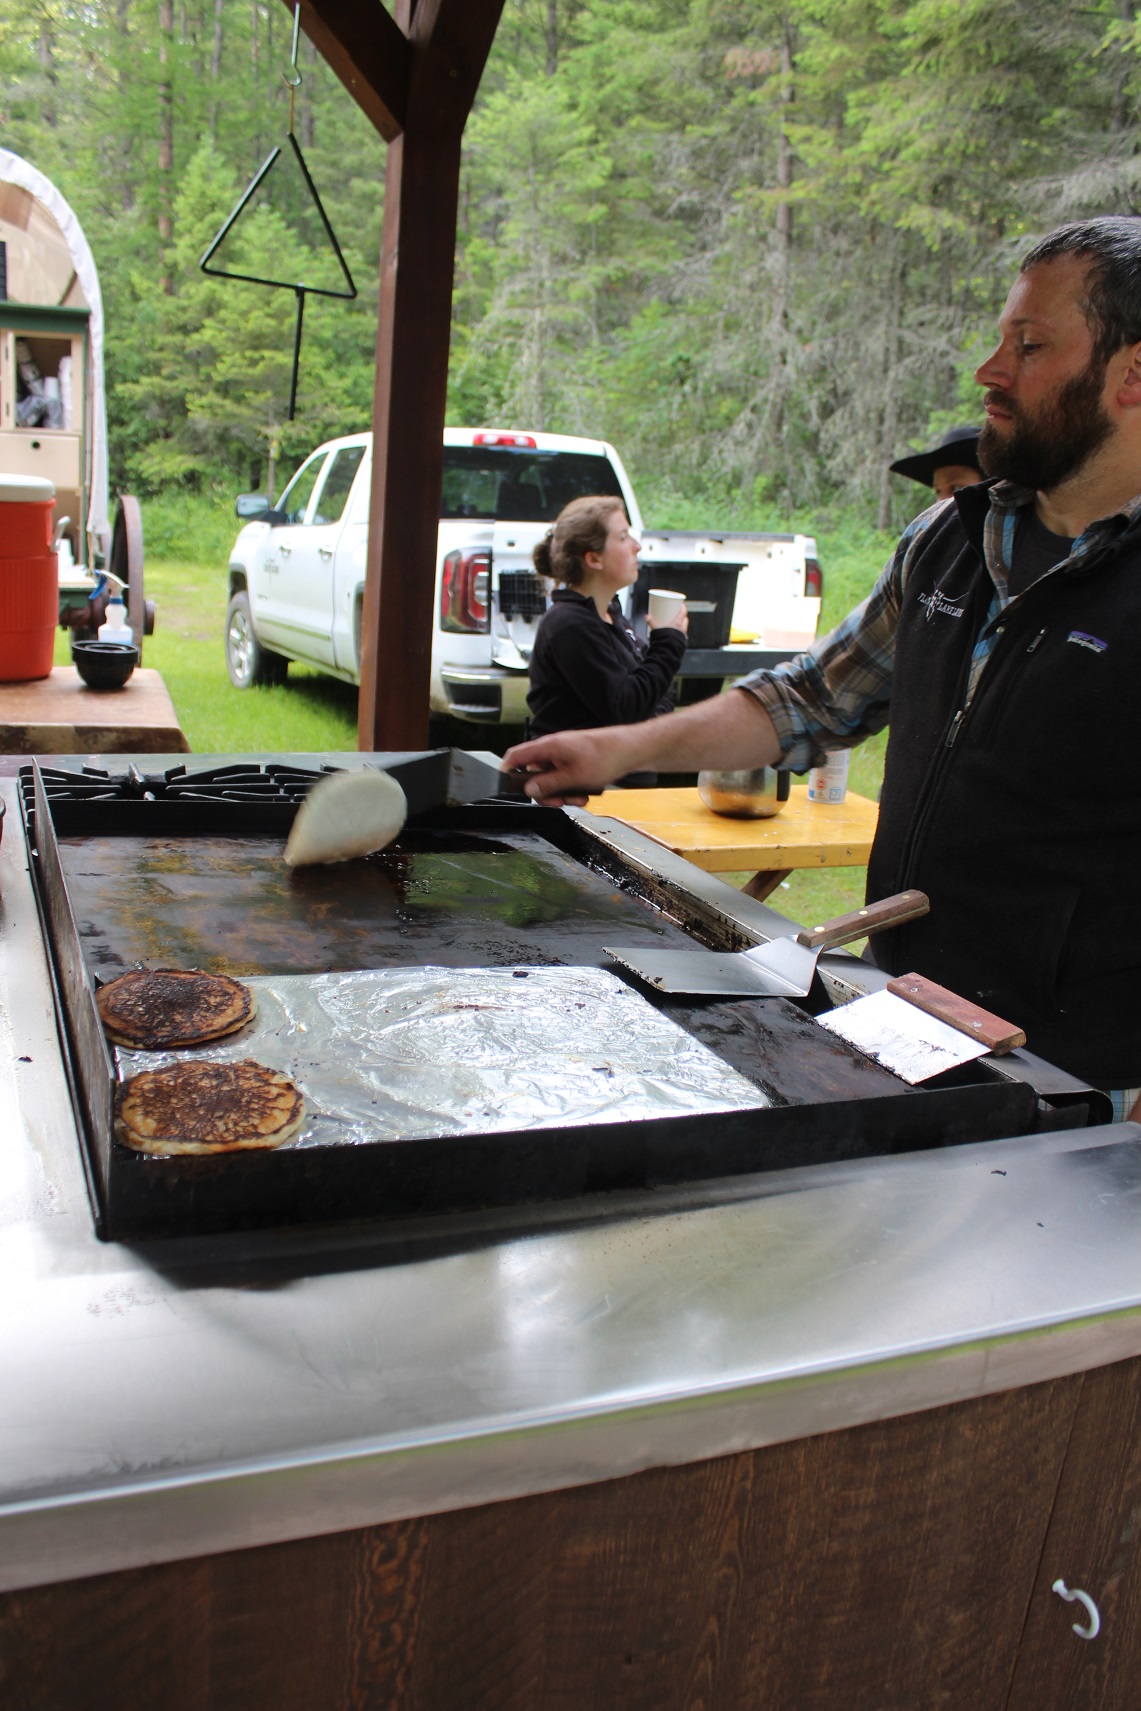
958, 445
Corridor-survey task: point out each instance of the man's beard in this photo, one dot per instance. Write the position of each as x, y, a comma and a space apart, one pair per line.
1043, 450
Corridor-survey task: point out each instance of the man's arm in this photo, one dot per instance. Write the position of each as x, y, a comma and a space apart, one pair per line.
727, 731
832, 696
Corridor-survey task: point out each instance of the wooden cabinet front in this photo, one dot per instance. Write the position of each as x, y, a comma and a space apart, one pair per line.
54, 453
1094, 1543
884, 1568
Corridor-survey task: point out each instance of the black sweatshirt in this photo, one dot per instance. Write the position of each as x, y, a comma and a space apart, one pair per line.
586, 673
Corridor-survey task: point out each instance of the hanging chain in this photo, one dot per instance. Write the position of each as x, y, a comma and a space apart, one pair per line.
293, 76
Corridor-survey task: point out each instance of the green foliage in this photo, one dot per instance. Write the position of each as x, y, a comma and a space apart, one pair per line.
757, 243
183, 527
538, 174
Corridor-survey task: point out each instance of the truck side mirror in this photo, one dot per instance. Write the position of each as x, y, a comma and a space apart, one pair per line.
249, 506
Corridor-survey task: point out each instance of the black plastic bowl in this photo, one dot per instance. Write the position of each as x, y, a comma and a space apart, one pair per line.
104, 665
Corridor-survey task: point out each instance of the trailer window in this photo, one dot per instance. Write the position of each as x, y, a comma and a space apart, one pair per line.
503, 485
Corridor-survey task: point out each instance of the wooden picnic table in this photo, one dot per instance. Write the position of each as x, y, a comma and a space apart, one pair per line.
60, 715
803, 834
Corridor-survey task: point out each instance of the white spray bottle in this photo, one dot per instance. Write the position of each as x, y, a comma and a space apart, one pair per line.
115, 627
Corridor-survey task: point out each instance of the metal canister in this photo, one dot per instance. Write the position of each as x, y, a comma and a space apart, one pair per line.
746, 795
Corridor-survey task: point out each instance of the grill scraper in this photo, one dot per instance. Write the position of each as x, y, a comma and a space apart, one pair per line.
918, 1029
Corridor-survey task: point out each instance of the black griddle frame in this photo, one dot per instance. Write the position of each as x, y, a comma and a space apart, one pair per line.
135, 1195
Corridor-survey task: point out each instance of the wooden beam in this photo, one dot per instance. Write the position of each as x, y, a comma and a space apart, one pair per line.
450, 41
421, 195
369, 53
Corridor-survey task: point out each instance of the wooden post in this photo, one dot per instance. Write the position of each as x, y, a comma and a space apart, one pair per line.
416, 76
416, 267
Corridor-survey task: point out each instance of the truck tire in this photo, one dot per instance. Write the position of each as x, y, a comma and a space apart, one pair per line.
248, 663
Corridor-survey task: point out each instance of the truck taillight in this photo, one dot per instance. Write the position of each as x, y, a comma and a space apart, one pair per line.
465, 592
526, 441
813, 579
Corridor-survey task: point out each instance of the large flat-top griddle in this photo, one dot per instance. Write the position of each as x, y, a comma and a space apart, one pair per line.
185, 869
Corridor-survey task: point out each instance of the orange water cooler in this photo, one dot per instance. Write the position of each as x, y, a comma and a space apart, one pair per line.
29, 578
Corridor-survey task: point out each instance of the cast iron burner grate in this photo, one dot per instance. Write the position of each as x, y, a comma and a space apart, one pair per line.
239, 782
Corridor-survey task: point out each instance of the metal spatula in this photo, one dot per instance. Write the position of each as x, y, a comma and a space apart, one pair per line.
783, 968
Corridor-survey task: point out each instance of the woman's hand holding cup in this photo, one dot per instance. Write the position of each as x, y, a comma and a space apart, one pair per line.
667, 610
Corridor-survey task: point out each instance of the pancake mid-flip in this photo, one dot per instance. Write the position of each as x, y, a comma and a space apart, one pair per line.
345, 815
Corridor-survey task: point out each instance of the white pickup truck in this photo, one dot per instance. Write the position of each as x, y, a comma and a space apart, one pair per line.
297, 572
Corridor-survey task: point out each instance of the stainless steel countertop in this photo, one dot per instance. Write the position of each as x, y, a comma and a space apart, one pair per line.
185, 1397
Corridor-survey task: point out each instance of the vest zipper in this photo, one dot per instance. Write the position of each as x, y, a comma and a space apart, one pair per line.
919, 826
923, 815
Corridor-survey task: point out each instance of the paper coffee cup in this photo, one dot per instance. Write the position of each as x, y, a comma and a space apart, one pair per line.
664, 603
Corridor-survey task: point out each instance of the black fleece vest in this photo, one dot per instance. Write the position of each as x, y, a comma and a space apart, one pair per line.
1021, 818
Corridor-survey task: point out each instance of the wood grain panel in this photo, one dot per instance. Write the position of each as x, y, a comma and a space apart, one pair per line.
1094, 1542
885, 1568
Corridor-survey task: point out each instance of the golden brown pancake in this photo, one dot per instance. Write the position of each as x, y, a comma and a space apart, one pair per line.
162, 1009
208, 1108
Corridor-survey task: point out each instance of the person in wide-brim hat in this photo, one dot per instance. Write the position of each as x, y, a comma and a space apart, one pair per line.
952, 464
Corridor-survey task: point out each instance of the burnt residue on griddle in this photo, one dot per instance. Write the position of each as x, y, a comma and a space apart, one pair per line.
780, 1048
457, 899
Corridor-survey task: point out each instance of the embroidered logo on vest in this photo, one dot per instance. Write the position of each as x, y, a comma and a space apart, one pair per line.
938, 602
1085, 640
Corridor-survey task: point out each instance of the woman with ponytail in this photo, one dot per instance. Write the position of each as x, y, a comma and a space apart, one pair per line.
588, 668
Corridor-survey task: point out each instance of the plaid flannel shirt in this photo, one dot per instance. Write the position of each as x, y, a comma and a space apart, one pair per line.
839, 691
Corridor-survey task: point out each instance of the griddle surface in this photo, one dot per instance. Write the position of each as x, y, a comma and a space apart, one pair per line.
230, 905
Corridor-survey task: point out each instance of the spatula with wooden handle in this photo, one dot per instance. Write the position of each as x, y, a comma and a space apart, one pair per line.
783, 968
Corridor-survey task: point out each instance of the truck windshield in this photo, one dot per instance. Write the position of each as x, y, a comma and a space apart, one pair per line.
507, 486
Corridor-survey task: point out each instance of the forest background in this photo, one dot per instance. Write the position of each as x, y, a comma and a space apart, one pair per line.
760, 246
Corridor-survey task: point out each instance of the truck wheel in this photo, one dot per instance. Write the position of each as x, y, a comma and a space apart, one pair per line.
247, 662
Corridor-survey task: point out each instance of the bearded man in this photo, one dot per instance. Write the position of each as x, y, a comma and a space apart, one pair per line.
1002, 643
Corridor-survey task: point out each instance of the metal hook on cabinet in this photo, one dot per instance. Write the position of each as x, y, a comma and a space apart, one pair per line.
1091, 1631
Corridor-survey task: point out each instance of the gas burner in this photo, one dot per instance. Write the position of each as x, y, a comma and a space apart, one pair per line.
240, 782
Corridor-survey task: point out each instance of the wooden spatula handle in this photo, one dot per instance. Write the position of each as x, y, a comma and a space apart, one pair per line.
999, 1036
888, 912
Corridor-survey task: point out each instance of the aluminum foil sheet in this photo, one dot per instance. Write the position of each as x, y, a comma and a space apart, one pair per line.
402, 1053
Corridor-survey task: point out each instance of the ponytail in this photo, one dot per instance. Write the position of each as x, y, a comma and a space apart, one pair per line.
541, 557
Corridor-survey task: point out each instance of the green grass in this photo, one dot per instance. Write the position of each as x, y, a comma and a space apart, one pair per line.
309, 712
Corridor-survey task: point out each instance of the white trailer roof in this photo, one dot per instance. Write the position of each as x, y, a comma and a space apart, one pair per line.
39, 275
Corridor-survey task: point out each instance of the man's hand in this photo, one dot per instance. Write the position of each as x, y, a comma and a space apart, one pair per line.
725, 731
568, 766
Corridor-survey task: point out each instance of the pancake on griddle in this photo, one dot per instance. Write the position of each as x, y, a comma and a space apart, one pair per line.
346, 814
208, 1108
163, 1009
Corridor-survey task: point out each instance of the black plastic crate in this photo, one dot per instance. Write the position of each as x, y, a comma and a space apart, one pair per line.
710, 591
